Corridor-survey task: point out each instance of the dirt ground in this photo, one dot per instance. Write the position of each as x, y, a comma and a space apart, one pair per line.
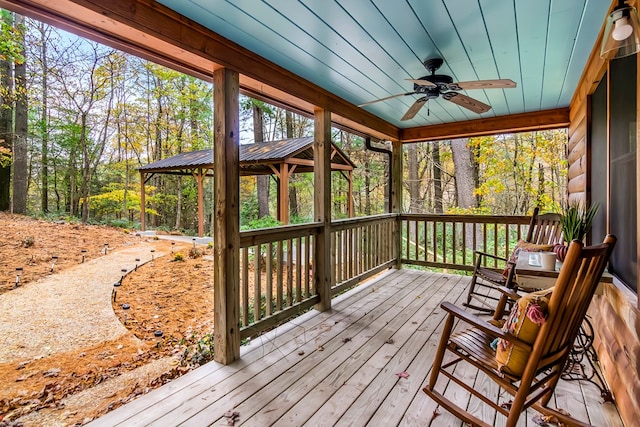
174, 297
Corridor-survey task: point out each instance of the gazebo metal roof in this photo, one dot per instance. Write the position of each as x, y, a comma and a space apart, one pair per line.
255, 159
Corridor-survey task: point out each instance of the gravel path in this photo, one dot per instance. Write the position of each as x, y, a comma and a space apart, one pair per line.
69, 310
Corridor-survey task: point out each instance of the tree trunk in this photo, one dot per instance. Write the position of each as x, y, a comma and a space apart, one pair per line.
465, 183
262, 181
294, 209
414, 184
44, 121
71, 171
6, 126
86, 165
465, 180
367, 185
20, 151
437, 178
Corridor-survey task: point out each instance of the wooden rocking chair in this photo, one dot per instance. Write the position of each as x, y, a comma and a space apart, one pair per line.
482, 295
549, 350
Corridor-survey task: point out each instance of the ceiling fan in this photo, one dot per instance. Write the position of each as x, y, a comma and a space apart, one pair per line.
435, 85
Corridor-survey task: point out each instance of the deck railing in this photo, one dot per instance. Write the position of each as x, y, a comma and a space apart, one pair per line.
277, 272
360, 248
449, 241
277, 269
276, 275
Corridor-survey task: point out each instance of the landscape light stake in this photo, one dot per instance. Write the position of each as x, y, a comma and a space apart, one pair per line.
106, 248
18, 274
136, 267
53, 264
172, 246
84, 251
152, 254
194, 242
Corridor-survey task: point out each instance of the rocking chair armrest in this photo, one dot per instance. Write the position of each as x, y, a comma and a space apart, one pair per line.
481, 324
510, 293
485, 254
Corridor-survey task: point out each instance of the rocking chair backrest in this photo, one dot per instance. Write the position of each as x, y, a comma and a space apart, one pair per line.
572, 294
544, 229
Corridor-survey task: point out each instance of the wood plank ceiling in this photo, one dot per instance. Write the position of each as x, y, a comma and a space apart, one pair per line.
363, 50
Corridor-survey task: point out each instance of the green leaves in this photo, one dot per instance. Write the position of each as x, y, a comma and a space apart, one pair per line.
576, 221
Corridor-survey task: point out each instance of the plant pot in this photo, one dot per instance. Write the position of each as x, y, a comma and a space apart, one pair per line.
560, 251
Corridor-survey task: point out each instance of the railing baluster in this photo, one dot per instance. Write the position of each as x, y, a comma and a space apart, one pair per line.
257, 291
269, 285
289, 273
245, 286
279, 278
307, 265
299, 270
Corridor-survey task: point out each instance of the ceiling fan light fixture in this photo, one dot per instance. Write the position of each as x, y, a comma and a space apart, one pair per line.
622, 33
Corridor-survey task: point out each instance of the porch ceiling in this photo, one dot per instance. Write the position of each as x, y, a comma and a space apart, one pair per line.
364, 50
347, 52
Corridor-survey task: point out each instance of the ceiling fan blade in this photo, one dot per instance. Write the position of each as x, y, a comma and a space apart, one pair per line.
413, 110
421, 82
486, 84
466, 102
384, 99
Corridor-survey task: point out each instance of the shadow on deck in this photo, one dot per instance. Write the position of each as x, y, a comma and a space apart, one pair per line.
341, 368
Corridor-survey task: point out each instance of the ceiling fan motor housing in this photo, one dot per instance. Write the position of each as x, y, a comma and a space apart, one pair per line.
442, 81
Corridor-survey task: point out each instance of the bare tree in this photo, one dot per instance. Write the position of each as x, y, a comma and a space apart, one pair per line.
84, 81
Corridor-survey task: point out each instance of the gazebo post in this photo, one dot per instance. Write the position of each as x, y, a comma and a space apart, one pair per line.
226, 232
283, 194
199, 176
142, 203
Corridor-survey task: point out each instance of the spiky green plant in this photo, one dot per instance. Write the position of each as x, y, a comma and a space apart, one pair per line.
576, 221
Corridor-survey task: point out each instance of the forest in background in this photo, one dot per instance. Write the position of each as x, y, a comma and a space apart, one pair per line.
77, 118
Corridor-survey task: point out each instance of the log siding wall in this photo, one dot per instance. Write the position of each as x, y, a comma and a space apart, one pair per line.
615, 312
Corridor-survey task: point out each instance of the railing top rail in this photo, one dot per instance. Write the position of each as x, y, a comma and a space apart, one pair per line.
347, 222
266, 235
500, 219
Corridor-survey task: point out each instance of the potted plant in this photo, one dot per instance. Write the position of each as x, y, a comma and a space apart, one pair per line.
576, 223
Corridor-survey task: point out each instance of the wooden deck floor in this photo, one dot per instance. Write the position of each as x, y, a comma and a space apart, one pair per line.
339, 368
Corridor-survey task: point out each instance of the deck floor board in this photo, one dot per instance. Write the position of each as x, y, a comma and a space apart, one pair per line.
339, 368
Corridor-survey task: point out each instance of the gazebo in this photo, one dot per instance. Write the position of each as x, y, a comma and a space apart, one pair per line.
280, 158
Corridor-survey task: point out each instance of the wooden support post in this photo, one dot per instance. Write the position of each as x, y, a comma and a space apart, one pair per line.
322, 206
199, 176
396, 197
226, 231
142, 203
283, 194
